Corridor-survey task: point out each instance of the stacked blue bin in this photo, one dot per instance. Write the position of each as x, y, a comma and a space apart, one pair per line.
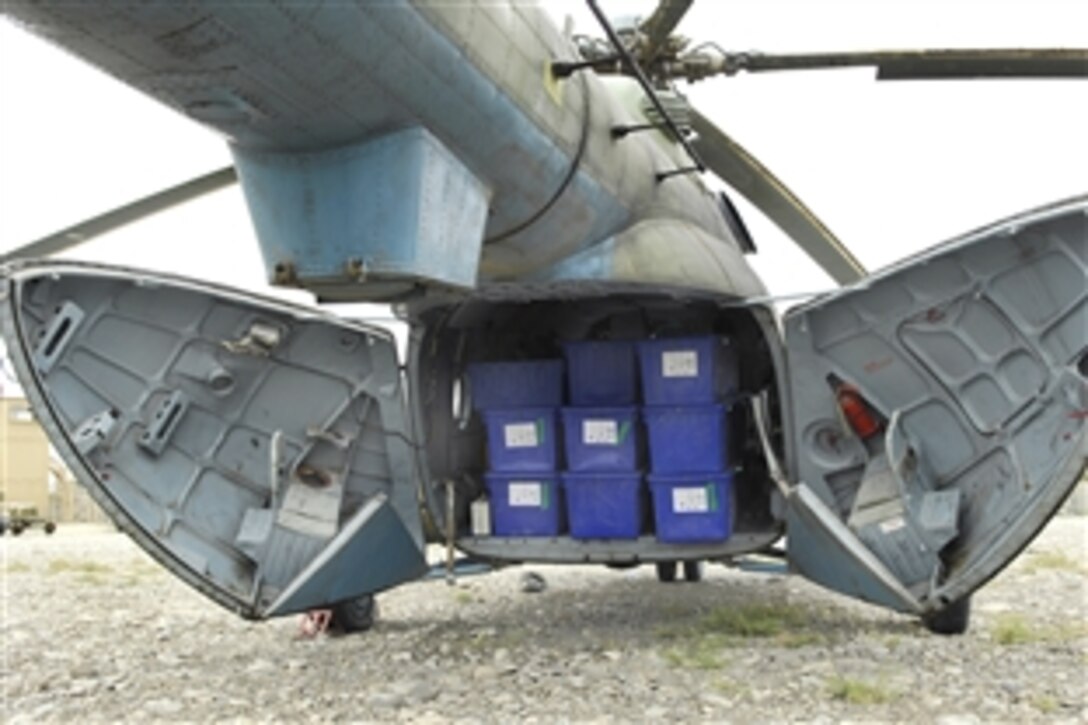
603, 482
684, 384
519, 403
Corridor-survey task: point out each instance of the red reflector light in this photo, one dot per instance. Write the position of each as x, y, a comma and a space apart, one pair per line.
857, 412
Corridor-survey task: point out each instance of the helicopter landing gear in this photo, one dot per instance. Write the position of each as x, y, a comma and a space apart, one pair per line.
953, 619
354, 615
667, 570
346, 617
693, 571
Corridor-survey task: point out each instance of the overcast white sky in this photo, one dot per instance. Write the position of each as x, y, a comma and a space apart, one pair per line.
890, 167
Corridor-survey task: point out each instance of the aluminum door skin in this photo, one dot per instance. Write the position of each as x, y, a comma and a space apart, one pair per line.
971, 360
258, 450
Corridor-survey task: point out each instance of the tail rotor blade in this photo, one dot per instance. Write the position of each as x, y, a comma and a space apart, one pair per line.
734, 165
87, 230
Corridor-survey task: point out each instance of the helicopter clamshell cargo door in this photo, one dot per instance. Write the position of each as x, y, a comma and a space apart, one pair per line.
260, 451
939, 412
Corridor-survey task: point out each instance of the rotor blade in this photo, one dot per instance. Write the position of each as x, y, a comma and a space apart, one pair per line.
135, 211
728, 160
659, 26
928, 64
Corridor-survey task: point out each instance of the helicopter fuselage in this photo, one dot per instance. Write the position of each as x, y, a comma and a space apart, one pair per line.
547, 178
424, 153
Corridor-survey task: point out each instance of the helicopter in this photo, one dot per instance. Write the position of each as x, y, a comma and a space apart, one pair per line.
508, 187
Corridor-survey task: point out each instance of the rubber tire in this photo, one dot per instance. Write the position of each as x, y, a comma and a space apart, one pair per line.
17, 528
693, 571
354, 615
666, 571
953, 619
49, 527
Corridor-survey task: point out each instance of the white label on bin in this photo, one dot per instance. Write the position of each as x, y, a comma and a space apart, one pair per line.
690, 500
520, 435
600, 433
680, 364
525, 494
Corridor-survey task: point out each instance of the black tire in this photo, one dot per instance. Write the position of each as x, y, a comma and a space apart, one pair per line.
953, 619
354, 615
49, 527
666, 571
17, 528
693, 571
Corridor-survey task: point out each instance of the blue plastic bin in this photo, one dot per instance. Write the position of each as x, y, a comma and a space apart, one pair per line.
693, 507
517, 384
525, 505
686, 439
604, 505
601, 439
601, 372
522, 439
685, 370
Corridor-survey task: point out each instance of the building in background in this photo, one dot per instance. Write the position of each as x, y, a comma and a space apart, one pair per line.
31, 475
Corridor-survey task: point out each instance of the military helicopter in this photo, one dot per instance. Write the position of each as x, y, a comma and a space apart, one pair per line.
508, 187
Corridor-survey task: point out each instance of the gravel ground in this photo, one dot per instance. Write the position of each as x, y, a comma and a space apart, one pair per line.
93, 630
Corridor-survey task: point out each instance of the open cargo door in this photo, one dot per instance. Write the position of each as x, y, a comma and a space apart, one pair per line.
260, 451
939, 412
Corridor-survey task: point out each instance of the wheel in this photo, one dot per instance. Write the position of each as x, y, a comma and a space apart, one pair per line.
666, 571
49, 527
953, 619
354, 615
17, 528
693, 571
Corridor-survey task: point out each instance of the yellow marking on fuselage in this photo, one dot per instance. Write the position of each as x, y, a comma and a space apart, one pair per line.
552, 84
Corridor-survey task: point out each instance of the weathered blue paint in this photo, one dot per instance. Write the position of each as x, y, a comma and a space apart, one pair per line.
595, 263
284, 77
509, 152
669, 252
823, 549
368, 558
396, 207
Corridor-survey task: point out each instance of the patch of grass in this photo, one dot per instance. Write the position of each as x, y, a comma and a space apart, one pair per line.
1044, 703
699, 654
859, 692
16, 567
463, 597
61, 566
1054, 560
704, 644
755, 620
1013, 629
92, 579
